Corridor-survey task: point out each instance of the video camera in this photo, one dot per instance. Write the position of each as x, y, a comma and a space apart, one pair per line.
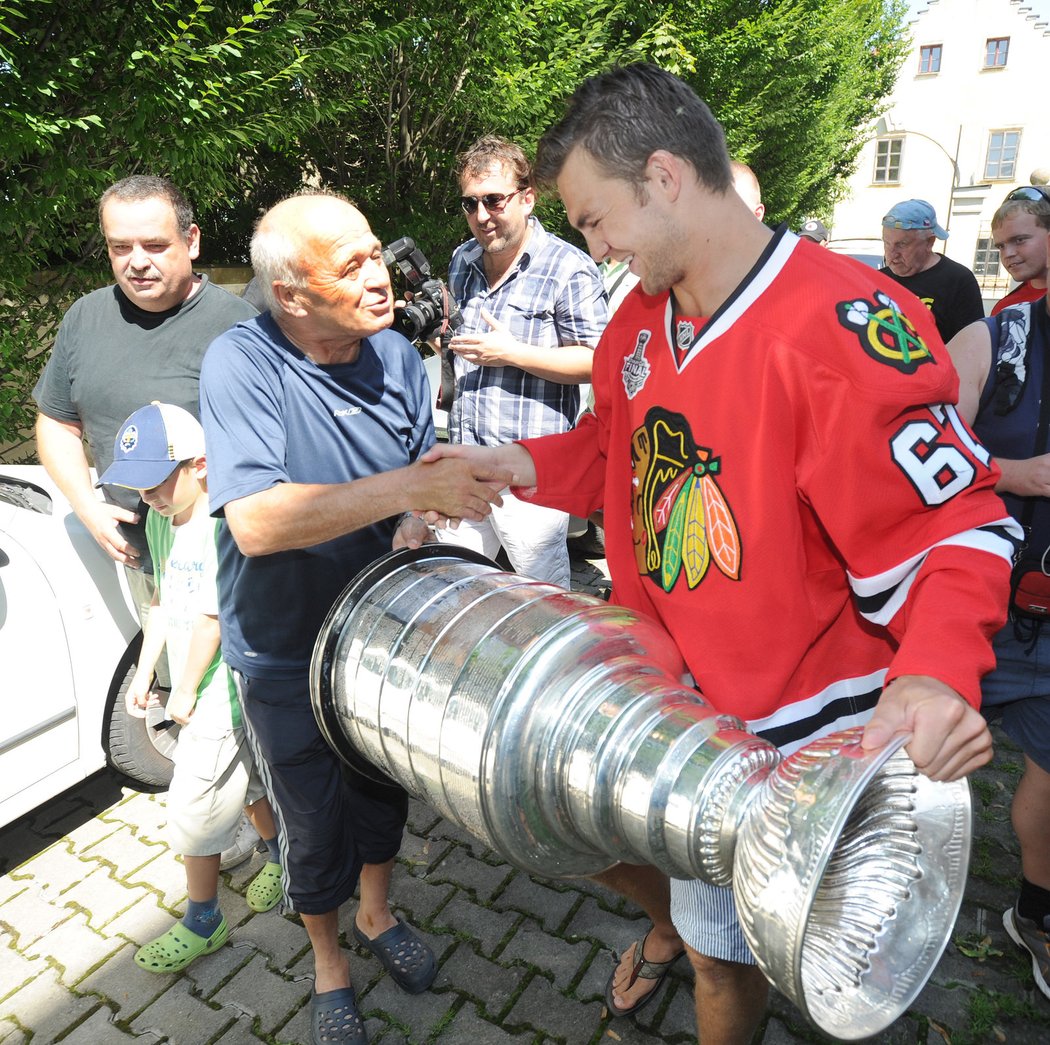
432, 312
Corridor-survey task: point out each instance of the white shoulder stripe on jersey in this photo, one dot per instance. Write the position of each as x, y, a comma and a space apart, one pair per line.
882, 595
810, 708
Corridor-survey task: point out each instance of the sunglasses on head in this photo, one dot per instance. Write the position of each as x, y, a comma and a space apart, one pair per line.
494, 201
1033, 193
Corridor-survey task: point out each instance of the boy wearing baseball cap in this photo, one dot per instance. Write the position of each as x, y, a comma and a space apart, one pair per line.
159, 452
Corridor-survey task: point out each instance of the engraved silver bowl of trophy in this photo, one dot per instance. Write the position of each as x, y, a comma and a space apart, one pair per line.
553, 727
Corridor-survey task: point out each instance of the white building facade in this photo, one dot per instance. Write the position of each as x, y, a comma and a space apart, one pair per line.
968, 121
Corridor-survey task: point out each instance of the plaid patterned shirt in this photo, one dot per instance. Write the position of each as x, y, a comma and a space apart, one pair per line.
553, 296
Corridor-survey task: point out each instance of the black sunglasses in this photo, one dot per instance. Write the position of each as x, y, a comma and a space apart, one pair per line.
494, 201
1033, 193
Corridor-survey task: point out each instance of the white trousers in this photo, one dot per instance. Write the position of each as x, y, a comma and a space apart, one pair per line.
534, 538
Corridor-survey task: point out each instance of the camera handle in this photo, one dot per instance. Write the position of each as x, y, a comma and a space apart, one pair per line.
447, 391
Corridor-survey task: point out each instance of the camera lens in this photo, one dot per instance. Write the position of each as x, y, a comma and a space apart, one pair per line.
416, 319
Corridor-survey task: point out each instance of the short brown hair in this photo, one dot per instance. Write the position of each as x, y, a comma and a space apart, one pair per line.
148, 187
493, 151
1039, 209
623, 116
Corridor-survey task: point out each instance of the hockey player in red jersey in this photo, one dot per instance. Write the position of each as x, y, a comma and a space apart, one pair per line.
786, 483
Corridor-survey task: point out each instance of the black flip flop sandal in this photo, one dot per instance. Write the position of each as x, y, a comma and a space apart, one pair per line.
642, 969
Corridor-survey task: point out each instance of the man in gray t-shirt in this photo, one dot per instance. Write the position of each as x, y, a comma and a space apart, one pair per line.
124, 346
121, 348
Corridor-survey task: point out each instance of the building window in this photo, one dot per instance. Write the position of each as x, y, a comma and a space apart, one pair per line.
985, 258
986, 266
888, 161
1002, 154
930, 58
995, 52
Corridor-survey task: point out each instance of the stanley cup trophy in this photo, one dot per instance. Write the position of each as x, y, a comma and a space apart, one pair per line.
553, 726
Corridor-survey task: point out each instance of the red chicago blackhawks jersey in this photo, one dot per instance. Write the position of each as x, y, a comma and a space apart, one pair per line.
1018, 296
789, 491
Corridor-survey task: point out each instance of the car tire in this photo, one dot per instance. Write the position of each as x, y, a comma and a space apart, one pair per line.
129, 749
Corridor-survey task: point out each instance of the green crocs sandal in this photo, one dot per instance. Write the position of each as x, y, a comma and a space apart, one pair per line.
178, 947
266, 890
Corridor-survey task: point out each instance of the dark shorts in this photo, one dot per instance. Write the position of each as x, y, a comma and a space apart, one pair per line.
1017, 692
330, 819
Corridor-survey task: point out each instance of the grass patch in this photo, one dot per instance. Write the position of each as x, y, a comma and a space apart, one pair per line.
987, 1010
986, 863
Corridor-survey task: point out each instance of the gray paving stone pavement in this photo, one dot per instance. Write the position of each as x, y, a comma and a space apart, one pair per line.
88, 877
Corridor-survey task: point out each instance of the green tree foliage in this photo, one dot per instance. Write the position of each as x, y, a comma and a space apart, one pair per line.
240, 103
794, 82
91, 92
467, 69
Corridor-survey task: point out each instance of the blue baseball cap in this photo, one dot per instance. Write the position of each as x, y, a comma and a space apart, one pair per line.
151, 444
914, 214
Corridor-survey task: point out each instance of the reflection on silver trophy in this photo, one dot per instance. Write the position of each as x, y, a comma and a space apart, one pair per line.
554, 727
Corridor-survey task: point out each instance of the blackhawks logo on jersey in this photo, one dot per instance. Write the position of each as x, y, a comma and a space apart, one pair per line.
885, 333
681, 520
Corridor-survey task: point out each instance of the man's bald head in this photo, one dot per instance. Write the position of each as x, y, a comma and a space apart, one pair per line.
745, 181
321, 270
289, 235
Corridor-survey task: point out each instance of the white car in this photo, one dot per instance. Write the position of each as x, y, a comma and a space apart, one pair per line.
867, 251
69, 638
432, 365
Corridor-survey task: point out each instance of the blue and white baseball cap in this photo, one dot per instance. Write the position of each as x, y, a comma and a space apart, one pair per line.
151, 444
914, 214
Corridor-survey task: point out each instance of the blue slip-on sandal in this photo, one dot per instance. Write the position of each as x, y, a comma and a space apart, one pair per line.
404, 955
334, 1019
179, 946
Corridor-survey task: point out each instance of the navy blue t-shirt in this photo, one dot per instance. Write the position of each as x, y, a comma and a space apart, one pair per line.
1009, 429
272, 416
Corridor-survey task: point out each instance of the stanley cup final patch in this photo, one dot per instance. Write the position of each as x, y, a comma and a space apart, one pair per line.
635, 366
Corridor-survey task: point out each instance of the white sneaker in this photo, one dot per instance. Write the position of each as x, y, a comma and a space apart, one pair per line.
243, 845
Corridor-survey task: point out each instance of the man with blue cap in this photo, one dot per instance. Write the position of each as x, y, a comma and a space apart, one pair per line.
949, 290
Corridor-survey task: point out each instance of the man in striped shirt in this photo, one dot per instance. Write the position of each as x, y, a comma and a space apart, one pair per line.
533, 308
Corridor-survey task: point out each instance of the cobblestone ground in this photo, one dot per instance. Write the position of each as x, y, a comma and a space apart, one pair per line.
88, 878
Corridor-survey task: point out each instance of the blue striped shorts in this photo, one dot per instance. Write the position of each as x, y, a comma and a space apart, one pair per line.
705, 917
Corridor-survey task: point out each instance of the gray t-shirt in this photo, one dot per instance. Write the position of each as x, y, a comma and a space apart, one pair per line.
111, 357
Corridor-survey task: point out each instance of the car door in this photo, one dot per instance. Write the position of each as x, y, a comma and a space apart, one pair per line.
38, 726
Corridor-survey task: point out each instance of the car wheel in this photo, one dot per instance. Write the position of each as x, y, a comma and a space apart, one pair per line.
140, 748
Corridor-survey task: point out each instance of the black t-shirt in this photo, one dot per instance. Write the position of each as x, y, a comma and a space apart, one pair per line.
950, 291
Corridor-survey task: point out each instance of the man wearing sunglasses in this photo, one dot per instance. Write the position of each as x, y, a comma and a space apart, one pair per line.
533, 309
1019, 230
1001, 362
949, 290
